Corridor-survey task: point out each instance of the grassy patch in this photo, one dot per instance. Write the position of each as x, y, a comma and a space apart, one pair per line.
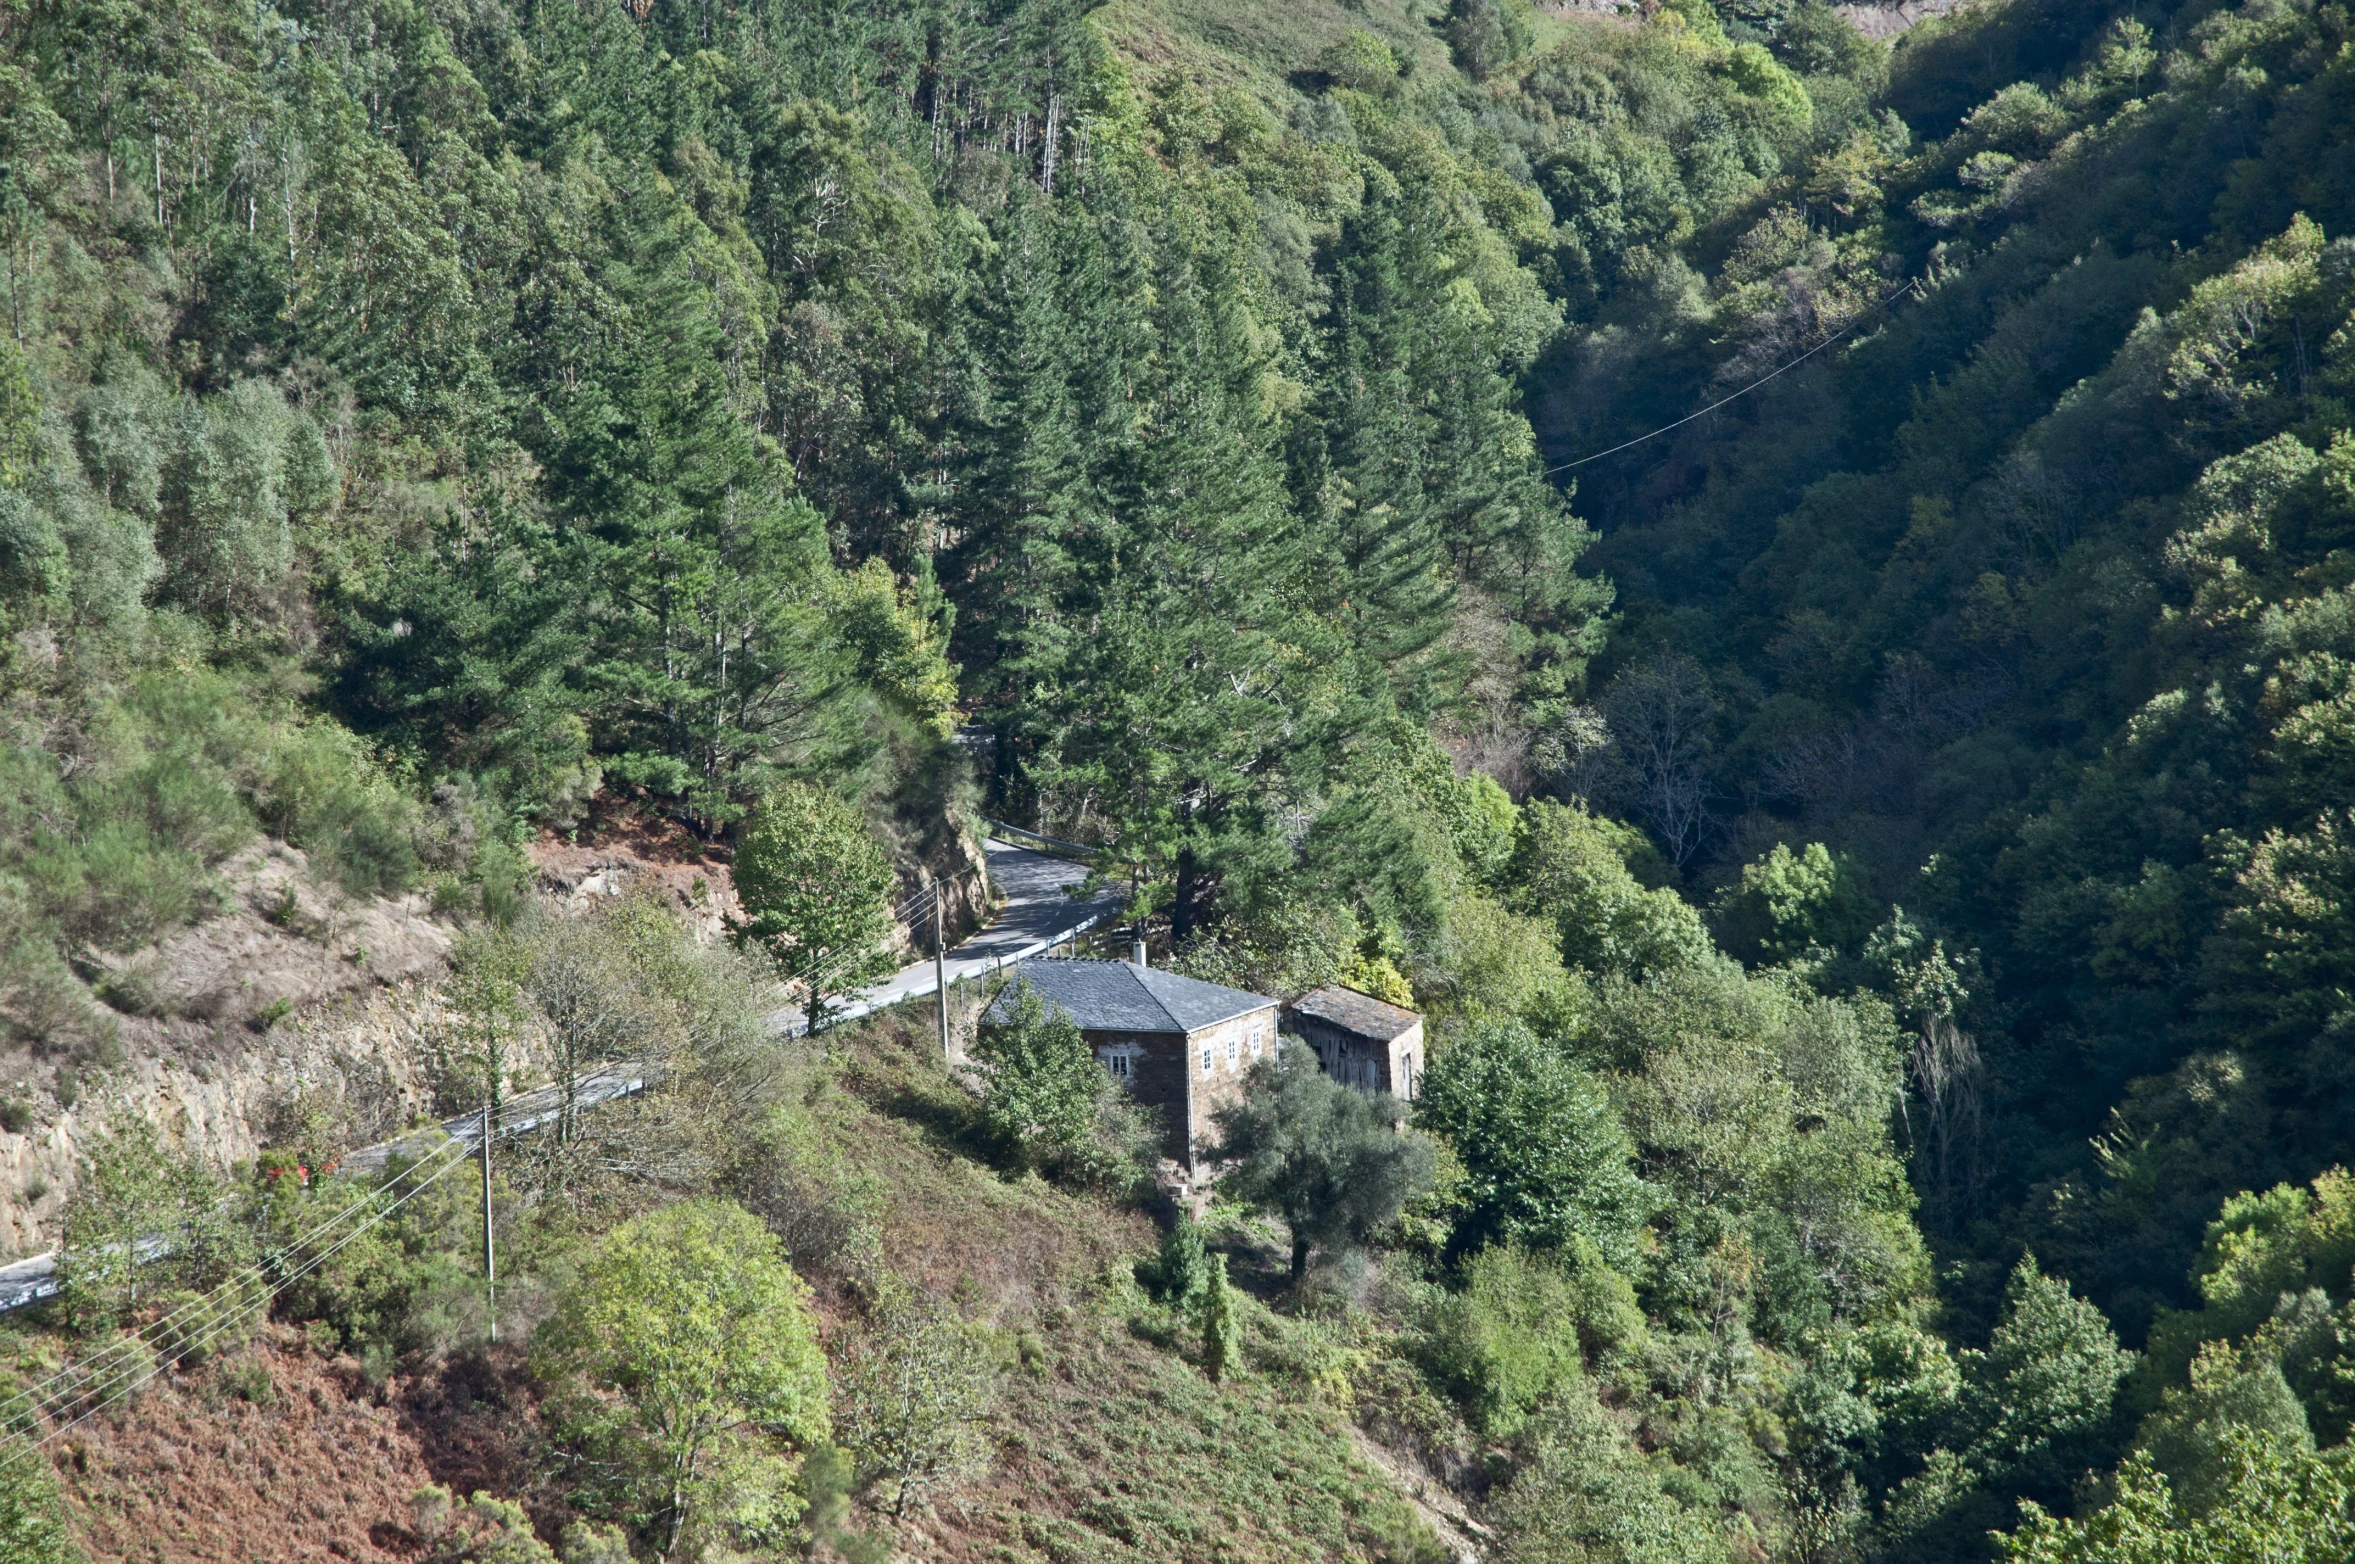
1112, 1445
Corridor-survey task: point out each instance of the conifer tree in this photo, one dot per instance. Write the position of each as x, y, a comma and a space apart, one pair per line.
1222, 1329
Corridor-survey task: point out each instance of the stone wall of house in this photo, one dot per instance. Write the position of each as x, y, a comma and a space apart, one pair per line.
1406, 1062
1157, 1078
1233, 1046
1166, 1072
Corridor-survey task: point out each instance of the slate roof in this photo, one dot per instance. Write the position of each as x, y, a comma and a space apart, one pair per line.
1352, 1011
1115, 996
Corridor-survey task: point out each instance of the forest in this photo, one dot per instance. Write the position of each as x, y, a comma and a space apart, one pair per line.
1787, 582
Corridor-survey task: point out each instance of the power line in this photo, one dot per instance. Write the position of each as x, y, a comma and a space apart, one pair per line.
1881, 303
193, 1333
185, 1319
122, 1346
194, 1324
130, 1382
917, 905
185, 1347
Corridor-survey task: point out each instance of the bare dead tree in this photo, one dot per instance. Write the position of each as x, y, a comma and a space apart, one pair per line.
1660, 715
1948, 1076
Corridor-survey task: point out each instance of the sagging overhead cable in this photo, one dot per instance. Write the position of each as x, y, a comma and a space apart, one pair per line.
1882, 302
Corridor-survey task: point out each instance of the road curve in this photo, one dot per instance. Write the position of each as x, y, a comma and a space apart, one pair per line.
1039, 913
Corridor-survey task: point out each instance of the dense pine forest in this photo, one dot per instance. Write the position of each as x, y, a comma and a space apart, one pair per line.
1792, 592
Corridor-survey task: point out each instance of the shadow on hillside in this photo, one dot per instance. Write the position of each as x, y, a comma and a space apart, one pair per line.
891, 1064
471, 1420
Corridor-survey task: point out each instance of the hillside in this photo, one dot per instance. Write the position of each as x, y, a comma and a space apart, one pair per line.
1782, 584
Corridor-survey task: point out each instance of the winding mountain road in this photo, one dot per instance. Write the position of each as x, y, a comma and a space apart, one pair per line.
1039, 913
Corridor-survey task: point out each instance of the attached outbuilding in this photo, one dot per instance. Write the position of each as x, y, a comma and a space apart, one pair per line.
1177, 1043
1360, 1040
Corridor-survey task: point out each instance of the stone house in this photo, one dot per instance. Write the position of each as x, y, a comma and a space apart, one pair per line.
1360, 1040
1177, 1043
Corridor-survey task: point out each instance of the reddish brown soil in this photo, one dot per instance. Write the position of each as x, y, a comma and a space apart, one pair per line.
320, 1468
619, 849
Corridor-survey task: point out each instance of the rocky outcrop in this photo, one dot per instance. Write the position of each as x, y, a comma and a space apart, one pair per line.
297, 1015
293, 1009
693, 877
1887, 21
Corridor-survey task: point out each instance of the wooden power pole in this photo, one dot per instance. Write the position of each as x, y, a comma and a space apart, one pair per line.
940, 967
490, 1268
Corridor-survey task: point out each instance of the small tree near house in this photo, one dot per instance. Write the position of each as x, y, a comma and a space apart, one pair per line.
816, 889
1330, 1160
1050, 1105
1222, 1328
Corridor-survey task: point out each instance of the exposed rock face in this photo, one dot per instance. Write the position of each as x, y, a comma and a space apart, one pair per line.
1887, 21
1872, 20
298, 1014
293, 1002
695, 880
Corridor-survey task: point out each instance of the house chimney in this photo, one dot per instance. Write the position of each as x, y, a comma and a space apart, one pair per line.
1136, 955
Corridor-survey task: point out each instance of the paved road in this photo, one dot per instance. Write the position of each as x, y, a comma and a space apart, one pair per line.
1039, 913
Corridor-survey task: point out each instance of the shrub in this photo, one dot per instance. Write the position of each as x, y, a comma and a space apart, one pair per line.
1544, 1154
1520, 1330
408, 1286
249, 1381
1587, 1493
133, 1197
33, 1527
1049, 1105
825, 1210
917, 1386
681, 1349
1579, 870
483, 1530
1222, 1330
1176, 1275
324, 794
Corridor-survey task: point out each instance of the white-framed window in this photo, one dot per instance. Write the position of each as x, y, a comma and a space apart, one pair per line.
1120, 1061
1234, 1049
1258, 1040
1205, 1058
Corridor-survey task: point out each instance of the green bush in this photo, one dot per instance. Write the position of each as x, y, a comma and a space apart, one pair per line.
1587, 1494
683, 1353
323, 793
33, 1527
1521, 1330
134, 1193
825, 1209
407, 1287
1181, 1269
1544, 1153
1049, 1105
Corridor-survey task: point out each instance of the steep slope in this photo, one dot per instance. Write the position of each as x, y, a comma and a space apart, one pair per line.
2021, 597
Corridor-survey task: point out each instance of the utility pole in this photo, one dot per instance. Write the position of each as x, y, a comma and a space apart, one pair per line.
940, 967
490, 1269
